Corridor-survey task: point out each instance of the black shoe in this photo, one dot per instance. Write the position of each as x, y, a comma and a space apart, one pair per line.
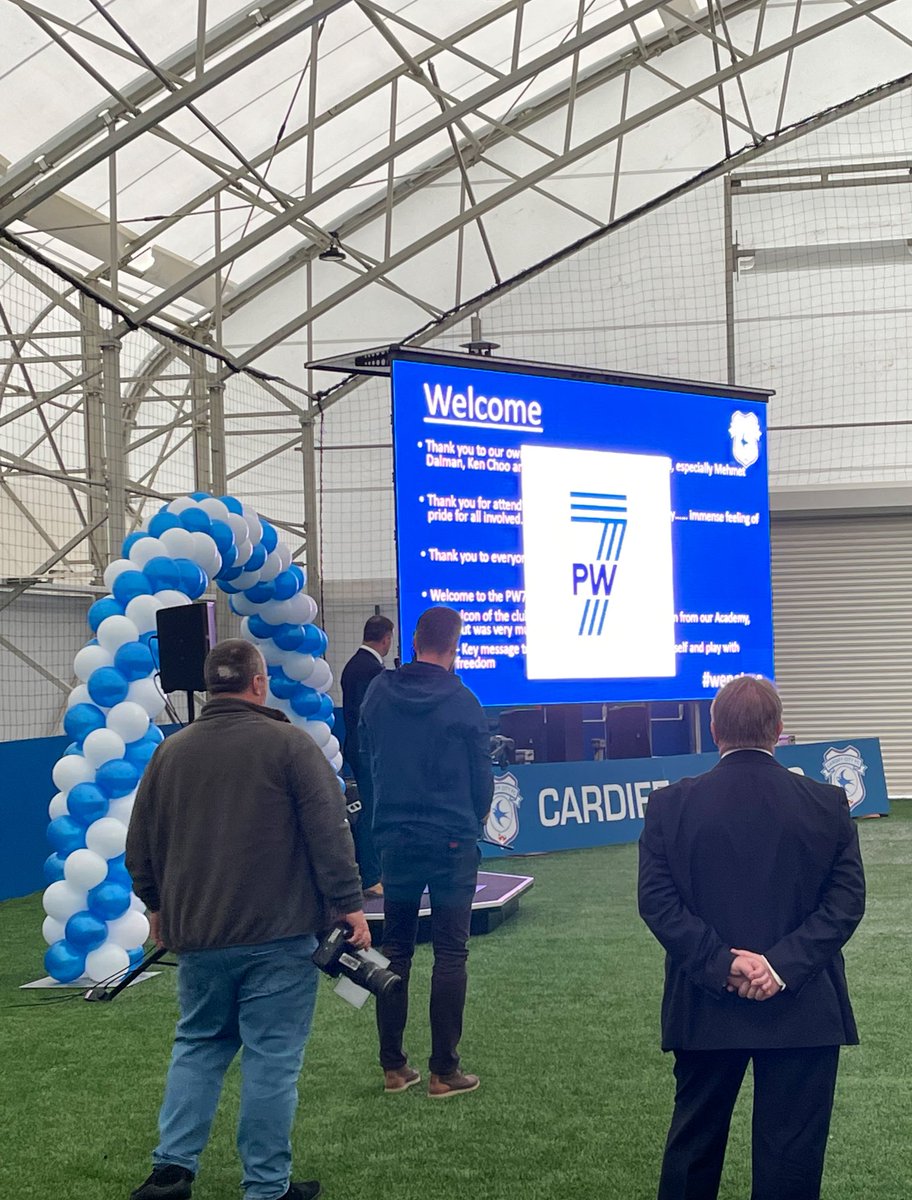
169, 1182
302, 1191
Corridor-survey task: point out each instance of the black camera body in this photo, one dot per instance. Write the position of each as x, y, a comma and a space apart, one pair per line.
338, 958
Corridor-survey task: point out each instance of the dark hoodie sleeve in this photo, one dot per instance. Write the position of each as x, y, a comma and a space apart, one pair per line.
478, 739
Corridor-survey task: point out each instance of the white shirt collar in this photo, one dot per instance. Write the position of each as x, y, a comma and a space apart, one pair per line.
371, 650
738, 749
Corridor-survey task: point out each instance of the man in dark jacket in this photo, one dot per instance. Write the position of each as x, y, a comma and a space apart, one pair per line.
240, 847
359, 673
429, 749
751, 878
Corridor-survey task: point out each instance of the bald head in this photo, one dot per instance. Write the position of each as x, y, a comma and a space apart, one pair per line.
746, 713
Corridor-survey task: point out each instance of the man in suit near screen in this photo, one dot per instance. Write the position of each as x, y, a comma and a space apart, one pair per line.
751, 878
359, 672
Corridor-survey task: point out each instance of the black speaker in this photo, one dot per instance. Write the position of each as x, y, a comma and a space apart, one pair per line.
629, 731
185, 635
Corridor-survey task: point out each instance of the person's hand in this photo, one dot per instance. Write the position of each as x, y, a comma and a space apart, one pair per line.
751, 976
155, 929
360, 933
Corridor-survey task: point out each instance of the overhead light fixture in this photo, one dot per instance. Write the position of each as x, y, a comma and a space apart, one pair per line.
333, 252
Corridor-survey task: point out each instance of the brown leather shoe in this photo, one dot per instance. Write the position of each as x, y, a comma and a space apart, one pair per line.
453, 1084
373, 893
401, 1079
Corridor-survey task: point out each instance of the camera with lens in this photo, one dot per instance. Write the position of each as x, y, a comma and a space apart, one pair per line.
338, 958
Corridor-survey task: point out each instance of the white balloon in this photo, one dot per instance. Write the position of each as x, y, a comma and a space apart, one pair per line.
246, 579
146, 693
101, 746
145, 549
271, 567
121, 809
244, 551
89, 659
61, 900
116, 568
205, 552
321, 677
181, 504
115, 632
106, 962
53, 931
170, 597
129, 720
58, 806
107, 836
239, 527
336, 763
319, 731
284, 554
178, 543
70, 770
136, 905
215, 509
298, 666
253, 524
244, 606
130, 930
84, 869
79, 695
272, 655
141, 611
301, 609
331, 749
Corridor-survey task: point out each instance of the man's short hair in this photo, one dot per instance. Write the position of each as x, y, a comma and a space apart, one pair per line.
376, 628
747, 712
438, 630
231, 666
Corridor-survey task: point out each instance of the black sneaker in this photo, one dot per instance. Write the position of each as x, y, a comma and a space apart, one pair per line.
302, 1191
169, 1182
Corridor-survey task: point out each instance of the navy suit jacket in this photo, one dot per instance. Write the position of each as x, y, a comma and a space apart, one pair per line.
753, 857
357, 676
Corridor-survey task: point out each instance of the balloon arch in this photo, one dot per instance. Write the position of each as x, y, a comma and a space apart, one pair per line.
95, 926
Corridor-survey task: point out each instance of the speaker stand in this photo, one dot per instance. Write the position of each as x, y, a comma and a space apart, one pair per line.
191, 707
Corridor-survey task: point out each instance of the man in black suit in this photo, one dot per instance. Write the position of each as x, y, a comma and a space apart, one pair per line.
751, 878
360, 670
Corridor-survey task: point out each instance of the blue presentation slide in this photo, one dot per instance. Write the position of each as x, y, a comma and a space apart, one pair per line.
603, 541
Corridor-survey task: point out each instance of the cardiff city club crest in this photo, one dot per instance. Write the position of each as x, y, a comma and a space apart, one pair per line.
845, 768
745, 434
502, 824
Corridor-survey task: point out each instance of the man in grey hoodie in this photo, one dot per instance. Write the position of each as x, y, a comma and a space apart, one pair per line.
426, 738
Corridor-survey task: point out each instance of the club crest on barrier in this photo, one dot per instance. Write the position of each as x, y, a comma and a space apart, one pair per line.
844, 767
502, 825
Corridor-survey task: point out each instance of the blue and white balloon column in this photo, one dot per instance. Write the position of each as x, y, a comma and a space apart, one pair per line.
95, 925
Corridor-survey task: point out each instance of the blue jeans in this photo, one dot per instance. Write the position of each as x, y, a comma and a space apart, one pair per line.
260, 998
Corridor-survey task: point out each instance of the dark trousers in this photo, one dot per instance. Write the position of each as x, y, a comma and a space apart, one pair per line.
362, 830
793, 1100
449, 870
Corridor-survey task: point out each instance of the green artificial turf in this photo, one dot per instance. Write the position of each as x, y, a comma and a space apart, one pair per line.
561, 1023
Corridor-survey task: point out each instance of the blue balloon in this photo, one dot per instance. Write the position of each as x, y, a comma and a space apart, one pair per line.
73, 748
343, 787
233, 505
286, 584
87, 803
66, 834
102, 609
64, 962
281, 685
130, 584
107, 686
222, 534
228, 588
229, 555
134, 660
163, 521
261, 593
300, 573
231, 573
196, 520
256, 559
331, 719
117, 777
53, 867
311, 640
130, 541
305, 701
118, 873
136, 956
82, 719
324, 641
326, 707
270, 538
288, 637
154, 732
161, 573
150, 639
85, 931
200, 495
139, 753
192, 578
262, 629
109, 900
